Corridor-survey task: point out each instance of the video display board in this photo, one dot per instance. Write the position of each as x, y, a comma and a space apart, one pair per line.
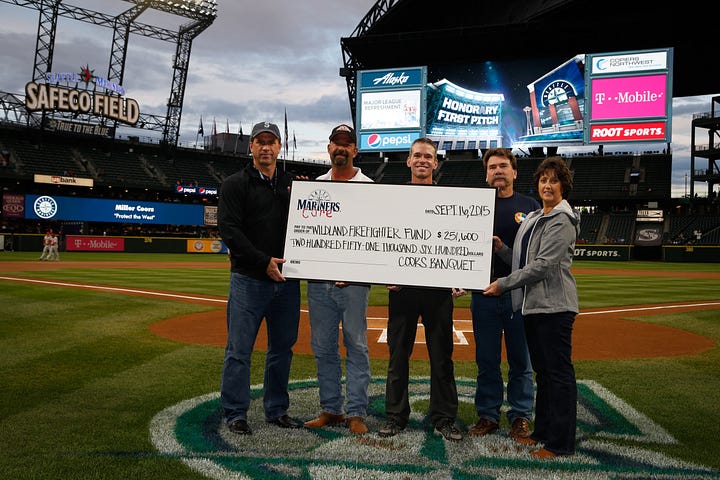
517, 103
390, 108
51, 207
463, 118
630, 97
522, 103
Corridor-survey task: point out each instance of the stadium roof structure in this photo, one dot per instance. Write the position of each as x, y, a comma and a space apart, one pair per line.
400, 33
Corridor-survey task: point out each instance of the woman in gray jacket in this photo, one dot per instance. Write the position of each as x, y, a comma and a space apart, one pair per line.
544, 290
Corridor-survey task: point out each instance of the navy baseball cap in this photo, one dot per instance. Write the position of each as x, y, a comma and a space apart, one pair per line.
265, 127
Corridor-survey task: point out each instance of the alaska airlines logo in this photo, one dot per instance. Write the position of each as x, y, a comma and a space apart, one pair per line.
318, 204
614, 441
390, 79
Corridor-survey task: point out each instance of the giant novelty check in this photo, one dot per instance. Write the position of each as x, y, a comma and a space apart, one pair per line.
414, 235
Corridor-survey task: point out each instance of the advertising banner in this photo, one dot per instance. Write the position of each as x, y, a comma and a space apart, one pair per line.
13, 205
625, 90
64, 180
94, 244
390, 108
418, 235
648, 235
625, 132
51, 207
206, 245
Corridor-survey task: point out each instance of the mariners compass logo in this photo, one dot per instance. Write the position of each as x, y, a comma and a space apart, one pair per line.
614, 442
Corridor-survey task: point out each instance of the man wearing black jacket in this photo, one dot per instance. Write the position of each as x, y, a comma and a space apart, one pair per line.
252, 219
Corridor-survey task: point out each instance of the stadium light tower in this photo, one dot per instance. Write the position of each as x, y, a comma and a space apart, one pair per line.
202, 13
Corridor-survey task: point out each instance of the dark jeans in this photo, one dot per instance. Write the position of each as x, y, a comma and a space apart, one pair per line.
493, 320
550, 343
249, 301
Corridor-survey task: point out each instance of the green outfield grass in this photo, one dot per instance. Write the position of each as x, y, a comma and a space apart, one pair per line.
82, 376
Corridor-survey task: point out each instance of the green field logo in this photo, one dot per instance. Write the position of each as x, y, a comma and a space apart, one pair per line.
614, 442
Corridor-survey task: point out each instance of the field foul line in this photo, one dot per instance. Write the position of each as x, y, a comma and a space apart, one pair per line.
114, 289
458, 334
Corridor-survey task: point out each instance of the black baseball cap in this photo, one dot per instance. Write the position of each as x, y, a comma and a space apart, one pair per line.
342, 128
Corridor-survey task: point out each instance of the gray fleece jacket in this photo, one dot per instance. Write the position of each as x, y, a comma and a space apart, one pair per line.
544, 284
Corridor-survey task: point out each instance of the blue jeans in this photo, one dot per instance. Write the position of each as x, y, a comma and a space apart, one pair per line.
330, 307
491, 317
249, 301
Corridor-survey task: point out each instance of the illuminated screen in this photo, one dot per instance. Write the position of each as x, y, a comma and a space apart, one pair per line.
525, 103
517, 103
455, 111
390, 109
50, 207
629, 97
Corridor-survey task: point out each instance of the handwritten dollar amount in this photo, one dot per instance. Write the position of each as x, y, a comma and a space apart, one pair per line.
455, 236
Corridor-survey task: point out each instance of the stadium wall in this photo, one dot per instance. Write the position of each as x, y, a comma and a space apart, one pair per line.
691, 253
89, 243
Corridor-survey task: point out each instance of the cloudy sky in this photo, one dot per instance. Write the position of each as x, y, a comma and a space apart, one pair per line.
256, 61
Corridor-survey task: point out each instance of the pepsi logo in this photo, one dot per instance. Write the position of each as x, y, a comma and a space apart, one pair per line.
179, 188
201, 190
374, 140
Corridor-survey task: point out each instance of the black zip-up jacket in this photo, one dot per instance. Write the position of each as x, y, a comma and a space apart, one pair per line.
252, 219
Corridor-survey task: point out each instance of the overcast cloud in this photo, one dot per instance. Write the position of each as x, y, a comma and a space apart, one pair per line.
257, 60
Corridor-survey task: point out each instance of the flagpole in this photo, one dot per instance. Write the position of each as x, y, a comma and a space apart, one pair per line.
214, 135
237, 138
286, 140
199, 132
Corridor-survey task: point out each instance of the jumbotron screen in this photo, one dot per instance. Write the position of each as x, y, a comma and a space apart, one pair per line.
527, 102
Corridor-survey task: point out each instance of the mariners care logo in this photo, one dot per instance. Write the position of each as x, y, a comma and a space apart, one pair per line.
613, 442
318, 204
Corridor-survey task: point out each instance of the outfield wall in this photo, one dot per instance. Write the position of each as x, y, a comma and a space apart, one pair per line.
89, 243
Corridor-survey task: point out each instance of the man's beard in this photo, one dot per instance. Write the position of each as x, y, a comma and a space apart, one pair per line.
340, 160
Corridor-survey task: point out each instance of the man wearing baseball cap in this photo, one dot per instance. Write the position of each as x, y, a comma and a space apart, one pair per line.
332, 304
265, 127
252, 216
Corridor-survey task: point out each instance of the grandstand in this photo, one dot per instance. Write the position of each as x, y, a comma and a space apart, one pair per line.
132, 170
611, 188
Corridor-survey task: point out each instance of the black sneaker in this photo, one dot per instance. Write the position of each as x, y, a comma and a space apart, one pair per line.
390, 429
449, 431
240, 427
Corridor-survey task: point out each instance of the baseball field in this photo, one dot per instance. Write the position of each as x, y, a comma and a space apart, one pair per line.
110, 368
